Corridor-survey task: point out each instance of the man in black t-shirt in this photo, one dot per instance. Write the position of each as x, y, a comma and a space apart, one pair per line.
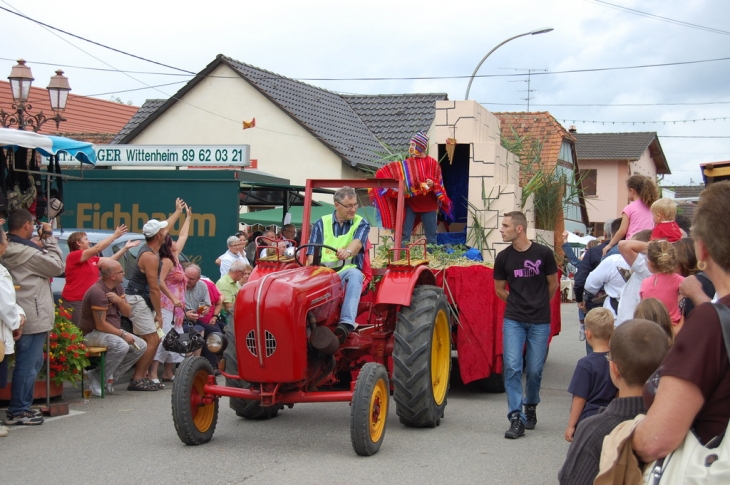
532, 274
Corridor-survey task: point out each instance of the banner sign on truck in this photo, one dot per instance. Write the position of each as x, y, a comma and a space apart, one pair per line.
160, 155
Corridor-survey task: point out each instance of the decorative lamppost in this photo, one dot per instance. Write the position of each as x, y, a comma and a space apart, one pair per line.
20, 81
532, 32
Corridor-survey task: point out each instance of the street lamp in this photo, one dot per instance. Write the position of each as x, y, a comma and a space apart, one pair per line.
533, 32
20, 81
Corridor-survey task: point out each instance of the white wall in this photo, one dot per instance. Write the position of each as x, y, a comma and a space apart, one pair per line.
213, 112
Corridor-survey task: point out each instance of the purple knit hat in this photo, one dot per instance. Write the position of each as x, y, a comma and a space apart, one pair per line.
420, 139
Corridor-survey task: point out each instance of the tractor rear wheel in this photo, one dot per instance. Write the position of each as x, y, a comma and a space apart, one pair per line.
422, 358
194, 420
244, 408
369, 410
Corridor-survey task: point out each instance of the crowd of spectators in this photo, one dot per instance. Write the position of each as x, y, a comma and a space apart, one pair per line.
666, 357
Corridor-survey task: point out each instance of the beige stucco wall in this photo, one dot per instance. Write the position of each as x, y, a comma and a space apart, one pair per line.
643, 166
611, 194
493, 171
212, 113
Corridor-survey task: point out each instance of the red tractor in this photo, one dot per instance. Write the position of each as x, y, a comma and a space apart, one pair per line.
282, 349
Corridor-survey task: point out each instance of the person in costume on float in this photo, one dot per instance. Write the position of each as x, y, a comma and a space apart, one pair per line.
424, 194
423, 202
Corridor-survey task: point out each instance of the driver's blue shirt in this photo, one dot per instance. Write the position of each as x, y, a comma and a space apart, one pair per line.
361, 233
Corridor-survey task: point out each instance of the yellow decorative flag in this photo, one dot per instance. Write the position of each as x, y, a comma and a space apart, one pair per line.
249, 124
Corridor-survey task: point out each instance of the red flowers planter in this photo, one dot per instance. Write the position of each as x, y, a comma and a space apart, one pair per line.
39, 391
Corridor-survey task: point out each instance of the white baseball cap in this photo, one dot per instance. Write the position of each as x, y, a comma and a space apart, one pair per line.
152, 227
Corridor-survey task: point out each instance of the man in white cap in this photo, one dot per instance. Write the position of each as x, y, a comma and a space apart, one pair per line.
143, 295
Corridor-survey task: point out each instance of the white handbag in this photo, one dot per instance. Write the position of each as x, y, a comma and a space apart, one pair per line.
692, 463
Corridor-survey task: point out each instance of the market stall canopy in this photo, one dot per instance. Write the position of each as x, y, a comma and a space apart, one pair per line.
273, 217
48, 145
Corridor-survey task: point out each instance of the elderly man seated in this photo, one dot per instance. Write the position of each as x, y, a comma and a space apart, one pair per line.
197, 304
228, 285
100, 321
236, 252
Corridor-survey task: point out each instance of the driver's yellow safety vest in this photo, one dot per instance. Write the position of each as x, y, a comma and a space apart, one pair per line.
329, 257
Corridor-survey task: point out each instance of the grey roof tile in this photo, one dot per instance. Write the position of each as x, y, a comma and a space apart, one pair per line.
613, 146
351, 126
325, 114
144, 111
395, 118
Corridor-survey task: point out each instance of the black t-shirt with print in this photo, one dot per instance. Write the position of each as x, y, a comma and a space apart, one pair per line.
526, 273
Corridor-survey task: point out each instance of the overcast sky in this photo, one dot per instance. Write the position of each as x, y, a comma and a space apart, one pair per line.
400, 39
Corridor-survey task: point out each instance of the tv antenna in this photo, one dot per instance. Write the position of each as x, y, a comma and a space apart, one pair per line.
528, 81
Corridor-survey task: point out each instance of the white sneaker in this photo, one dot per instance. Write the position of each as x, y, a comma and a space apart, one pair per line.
94, 382
3, 431
582, 333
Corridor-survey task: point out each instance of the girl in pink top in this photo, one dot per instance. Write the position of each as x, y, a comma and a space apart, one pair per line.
664, 284
637, 215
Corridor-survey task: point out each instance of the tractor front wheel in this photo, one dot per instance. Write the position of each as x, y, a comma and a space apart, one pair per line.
422, 358
194, 419
369, 410
244, 408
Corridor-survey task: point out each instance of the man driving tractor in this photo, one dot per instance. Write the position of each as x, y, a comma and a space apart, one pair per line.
347, 232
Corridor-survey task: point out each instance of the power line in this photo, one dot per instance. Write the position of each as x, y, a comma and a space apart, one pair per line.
135, 89
663, 19
391, 78
692, 136
725, 118
611, 105
91, 41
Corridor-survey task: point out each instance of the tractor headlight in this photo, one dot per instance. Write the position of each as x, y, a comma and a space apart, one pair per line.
216, 343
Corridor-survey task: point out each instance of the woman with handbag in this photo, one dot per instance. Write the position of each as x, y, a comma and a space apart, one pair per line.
172, 287
690, 393
12, 319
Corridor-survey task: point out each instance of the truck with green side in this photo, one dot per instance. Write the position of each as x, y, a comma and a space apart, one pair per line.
105, 198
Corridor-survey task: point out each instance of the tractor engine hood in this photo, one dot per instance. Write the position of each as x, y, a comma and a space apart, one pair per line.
270, 321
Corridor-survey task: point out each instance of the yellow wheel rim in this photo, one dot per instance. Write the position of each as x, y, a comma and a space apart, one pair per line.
202, 414
378, 410
440, 357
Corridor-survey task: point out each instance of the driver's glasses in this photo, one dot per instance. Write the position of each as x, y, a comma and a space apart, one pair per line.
350, 207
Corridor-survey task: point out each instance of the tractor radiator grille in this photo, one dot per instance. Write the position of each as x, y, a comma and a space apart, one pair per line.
251, 342
270, 344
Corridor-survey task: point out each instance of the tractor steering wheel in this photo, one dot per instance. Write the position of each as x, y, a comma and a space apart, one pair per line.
317, 259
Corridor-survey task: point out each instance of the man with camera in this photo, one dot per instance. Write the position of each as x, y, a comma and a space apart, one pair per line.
31, 264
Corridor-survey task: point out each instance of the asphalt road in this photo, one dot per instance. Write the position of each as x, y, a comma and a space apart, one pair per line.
129, 437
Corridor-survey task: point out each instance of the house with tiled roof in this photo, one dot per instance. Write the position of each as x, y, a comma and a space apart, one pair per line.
87, 119
301, 131
606, 161
557, 151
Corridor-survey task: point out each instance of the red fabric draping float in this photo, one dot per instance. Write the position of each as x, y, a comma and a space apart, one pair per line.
479, 336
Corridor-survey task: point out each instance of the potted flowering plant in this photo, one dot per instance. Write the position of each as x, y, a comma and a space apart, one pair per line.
68, 352
68, 356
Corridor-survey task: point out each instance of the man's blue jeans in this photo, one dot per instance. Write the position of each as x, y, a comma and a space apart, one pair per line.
518, 336
352, 279
28, 362
429, 221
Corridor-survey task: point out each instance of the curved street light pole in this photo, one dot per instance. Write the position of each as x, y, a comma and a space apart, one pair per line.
533, 32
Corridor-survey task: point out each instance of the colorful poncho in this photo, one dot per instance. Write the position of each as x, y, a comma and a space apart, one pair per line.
415, 172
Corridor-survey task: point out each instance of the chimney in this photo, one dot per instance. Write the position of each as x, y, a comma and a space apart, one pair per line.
572, 129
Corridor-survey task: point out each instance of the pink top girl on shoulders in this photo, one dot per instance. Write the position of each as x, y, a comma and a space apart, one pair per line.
636, 216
